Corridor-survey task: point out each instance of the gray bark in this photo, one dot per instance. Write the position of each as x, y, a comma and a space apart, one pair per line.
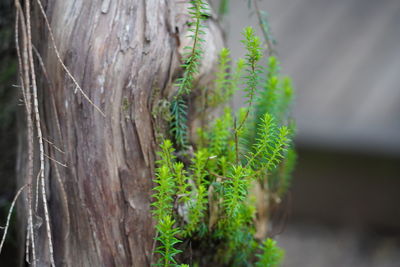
125, 55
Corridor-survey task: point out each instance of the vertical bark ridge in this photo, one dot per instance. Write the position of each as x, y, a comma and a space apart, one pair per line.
121, 53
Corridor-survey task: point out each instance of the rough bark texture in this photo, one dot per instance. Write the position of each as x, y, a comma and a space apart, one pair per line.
126, 56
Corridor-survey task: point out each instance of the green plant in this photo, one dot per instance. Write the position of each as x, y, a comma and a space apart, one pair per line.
207, 197
166, 238
191, 67
270, 255
252, 58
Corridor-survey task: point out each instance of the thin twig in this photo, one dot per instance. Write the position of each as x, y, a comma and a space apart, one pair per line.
17, 14
236, 143
27, 244
9, 216
39, 130
261, 22
37, 192
41, 64
56, 161
53, 145
62, 63
47, 219
65, 200
218, 176
25, 83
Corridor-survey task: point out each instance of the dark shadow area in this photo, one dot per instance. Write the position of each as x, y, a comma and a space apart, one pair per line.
344, 210
8, 137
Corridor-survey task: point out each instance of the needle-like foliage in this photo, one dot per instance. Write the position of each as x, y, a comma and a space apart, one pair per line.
166, 155
253, 69
197, 210
236, 189
271, 255
208, 195
182, 181
192, 57
226, 82
252, 57
179, 121
221, 134
198, 167
165, 191
167, 240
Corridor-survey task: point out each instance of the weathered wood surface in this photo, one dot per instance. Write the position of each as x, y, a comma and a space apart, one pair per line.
125, 55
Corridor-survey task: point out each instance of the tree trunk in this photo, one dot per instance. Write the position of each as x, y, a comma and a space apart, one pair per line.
125, 55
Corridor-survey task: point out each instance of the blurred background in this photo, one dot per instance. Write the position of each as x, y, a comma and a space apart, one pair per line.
344, 58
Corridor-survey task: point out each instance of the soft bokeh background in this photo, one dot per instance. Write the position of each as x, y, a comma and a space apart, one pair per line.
344, 58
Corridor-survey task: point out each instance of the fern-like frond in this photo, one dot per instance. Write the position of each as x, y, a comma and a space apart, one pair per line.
193, 53
190, 66
271, 255
253, 69
236, 189
254, 54
276, 96
164, 192
167, 240
276, 154
236, 76
197, 210
265, 143
267, 100
226, 83
198, 167
284, 100
241, 247
221, 134
274, 67
239, 233
178, 127
222, 81
182, 181
267, 95
166, 155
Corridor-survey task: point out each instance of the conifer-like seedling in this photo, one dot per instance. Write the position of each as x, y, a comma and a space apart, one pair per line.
207, 198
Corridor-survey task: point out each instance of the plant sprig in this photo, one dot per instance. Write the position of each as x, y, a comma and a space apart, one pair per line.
253, 56
209, 195
271, 255
167, 240
192, 57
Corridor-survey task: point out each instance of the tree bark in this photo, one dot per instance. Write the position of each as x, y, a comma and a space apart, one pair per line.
125, 55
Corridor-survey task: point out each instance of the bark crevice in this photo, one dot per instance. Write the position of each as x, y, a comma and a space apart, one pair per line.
117, 50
